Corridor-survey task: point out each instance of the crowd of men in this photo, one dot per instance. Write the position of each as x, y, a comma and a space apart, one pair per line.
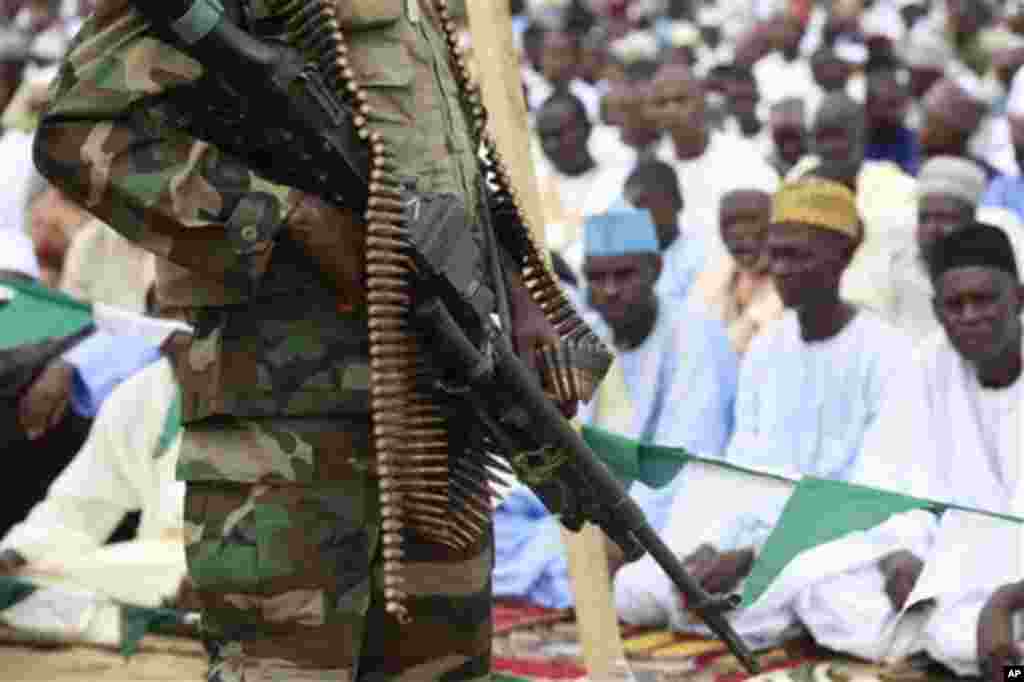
799, 224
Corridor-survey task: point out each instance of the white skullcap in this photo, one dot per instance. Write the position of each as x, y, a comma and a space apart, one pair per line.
927, 50
953, 176
711, 15
850, 52
683, 34
883, 20
634, 47
49, 45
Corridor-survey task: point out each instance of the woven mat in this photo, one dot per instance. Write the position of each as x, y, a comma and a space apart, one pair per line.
543, 644
531, 644
512, 615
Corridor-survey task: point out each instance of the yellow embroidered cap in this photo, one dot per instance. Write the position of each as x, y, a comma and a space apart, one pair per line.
819, 203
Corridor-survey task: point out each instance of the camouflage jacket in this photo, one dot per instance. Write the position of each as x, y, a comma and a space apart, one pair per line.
270, 338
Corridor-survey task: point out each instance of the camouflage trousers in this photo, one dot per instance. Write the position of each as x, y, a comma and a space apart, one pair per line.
289, 576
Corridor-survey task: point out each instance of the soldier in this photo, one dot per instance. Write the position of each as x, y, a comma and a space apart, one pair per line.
281, 511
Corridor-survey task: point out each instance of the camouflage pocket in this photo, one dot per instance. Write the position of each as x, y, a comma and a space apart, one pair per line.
358, 15
236, 539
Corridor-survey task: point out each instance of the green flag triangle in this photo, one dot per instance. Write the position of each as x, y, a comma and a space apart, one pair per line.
14, 590
137, 621
820, 511
171, 427
30, 313
631, 460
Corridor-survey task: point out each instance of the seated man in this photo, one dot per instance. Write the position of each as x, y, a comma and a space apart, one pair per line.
810, 386
948, 432
739, 290
787, 122
653, 186
953, 113
673, 384
127, 463
571, 178
948, 191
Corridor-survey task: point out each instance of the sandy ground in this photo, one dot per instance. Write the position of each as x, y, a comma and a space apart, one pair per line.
162, 660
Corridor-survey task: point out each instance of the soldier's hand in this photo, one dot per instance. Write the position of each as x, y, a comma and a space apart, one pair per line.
335, 240
996, 646
175, 343
46, 401
531, 330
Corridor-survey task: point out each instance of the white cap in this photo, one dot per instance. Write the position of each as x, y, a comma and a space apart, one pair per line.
926, 49
635, 46
883, 20
683, 34
850, 52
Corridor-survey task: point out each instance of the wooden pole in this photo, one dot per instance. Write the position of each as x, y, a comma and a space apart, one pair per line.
496, 66
596, 620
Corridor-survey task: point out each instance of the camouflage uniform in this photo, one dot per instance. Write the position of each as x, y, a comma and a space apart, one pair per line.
281, 509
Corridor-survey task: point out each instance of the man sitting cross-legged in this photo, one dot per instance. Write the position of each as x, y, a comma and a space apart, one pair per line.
949, 432
810, 386
673, 383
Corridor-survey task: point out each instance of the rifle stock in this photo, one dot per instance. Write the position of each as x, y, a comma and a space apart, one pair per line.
510, 403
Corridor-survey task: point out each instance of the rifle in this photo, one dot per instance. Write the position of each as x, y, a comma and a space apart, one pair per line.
551, 457
306, 140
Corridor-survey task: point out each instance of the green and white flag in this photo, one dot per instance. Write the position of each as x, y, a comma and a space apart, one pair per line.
31, 313
821, 512
59, 612
716, 492
815, 512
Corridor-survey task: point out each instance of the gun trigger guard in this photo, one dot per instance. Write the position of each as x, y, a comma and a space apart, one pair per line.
717, 604
455, 390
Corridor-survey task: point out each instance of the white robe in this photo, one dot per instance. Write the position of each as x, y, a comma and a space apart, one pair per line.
16, 156
568, 199
887, 204
911, 303
801, 409
930, 443
681, 383
681, 265
804, 407
778, 79
127, 463
707, 502
975, 555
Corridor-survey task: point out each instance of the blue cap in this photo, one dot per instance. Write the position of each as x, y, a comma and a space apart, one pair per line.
620, 230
